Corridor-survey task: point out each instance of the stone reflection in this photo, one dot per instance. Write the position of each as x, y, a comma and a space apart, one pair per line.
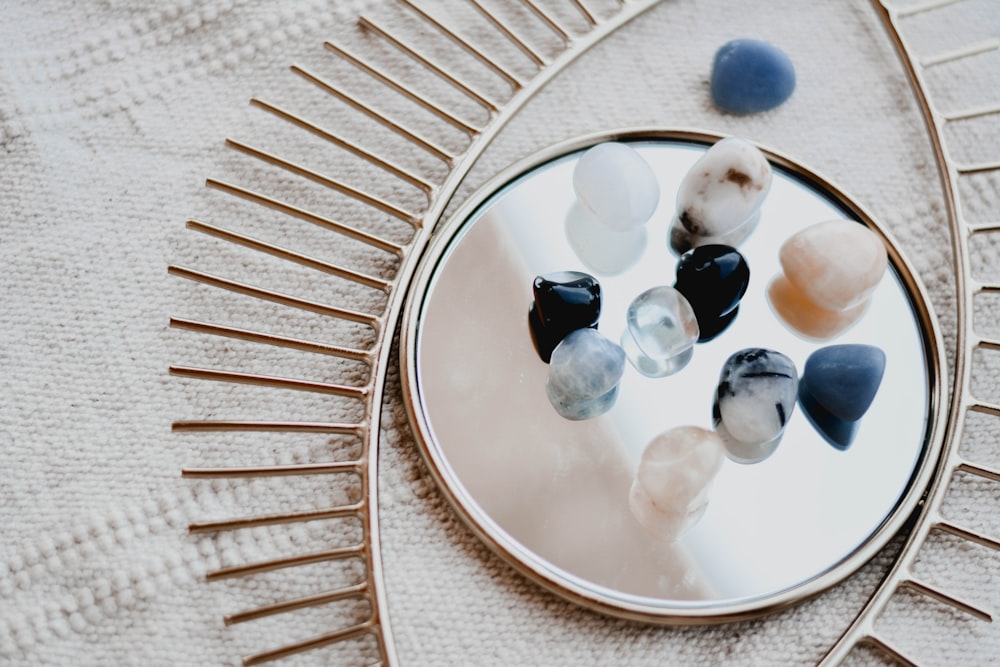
681, 240
600, 248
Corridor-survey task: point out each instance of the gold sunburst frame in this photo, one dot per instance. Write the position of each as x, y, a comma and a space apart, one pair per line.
439, 193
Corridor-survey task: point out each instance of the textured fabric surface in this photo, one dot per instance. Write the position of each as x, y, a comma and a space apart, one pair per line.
112, 114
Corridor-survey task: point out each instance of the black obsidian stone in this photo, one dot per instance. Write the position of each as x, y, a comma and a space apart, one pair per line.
713, 278
564, 302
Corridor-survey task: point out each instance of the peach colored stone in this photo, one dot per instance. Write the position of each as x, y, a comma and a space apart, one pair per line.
835, 264
803, 316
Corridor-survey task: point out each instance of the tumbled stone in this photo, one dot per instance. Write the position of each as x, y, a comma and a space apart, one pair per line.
839, 433
750, 75
754, 400
810, 321
616, 185
673, 480
579, 409
661, 330
584, 373
836, 264
709, 329
564, 301
838, 386
713, 278
843, 379
724, 189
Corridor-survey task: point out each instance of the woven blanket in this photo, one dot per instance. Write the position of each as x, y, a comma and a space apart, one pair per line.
112, 116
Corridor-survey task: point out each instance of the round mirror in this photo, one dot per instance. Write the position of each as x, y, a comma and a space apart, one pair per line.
552, 495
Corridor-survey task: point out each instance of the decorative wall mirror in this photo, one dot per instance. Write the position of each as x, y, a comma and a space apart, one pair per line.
547, 494
552, 494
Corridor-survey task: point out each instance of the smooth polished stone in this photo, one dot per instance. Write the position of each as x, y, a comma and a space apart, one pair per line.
843, 379
661, 330
710, 329
724, 188
600, 249
673, 480
584, 373
579, 409
750, 75
567, 299
617, 185
713, 278
798, 313
836, 264
564, 301
545, 338
839, 433
754, 400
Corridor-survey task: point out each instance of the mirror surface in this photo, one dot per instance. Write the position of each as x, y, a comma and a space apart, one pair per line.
552, 494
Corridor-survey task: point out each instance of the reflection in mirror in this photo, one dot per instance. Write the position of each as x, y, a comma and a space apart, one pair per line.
573, 502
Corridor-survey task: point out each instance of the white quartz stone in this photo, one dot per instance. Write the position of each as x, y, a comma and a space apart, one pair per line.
724, 189
672, 484
616, 185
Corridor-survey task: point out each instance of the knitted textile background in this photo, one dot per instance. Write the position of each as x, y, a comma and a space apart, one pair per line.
113, 113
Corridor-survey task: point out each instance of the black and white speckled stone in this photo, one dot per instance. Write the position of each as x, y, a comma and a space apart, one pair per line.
753, 402
724, 189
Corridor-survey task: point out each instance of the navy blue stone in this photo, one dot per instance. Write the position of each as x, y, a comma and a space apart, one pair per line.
713, 278
750, 75
838, 432
564, 302
843, 379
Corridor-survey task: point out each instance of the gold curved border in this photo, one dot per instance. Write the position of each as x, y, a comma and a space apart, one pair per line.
929, 518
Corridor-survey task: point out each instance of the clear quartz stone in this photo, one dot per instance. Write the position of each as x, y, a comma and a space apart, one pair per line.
661, 330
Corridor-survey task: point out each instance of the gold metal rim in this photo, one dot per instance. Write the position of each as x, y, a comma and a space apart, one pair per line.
529, 565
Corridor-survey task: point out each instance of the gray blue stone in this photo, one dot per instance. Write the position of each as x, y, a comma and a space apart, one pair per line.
839, 433
750, 75
754, 400
576, 409
843, 379
584, 373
